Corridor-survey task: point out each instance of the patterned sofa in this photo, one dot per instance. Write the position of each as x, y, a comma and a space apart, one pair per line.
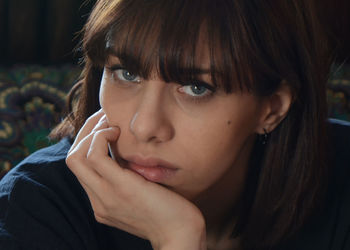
32, 99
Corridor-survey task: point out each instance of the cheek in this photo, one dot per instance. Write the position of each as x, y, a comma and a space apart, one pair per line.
221, 144
116, 108
104, 97
219, 133
208, 158
209, 147
216, 144
113, 99
117, 113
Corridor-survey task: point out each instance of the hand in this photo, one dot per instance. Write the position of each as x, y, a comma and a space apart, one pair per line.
123, 199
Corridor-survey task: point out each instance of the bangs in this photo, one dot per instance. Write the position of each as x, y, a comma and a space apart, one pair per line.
171, 37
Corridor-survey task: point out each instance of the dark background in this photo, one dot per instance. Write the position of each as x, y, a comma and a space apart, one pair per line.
41, 31
45, 31
335, 17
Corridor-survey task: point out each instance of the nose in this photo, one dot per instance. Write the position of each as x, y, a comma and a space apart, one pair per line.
150, 122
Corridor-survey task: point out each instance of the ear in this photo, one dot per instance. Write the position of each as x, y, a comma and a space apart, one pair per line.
275, 109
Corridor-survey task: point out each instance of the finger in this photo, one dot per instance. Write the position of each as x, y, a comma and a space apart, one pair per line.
77, 156
80, 151
99, 144
89, 124
81, 168
98, 150
83, 143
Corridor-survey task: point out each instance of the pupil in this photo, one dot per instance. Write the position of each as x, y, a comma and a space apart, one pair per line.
198, 89
128, 76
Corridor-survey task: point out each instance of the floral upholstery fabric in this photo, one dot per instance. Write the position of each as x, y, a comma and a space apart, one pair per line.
32, 99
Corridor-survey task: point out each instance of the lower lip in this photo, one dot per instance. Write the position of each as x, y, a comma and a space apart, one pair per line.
152, 173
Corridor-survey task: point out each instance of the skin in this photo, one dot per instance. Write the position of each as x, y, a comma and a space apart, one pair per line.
208, 140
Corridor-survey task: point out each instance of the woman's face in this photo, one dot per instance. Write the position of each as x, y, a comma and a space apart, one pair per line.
191, 139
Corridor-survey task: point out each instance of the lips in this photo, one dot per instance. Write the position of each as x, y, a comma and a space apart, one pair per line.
151, 169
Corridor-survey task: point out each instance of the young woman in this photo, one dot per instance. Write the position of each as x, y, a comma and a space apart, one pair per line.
196, 125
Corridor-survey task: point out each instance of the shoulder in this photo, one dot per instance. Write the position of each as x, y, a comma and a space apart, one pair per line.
43, 206
42, 164
339, 150
339, 190
339, 132
41, 202
329, 227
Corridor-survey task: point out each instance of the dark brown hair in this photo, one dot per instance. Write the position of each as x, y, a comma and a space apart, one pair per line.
253, 46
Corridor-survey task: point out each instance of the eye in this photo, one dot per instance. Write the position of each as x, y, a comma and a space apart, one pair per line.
124, 75
196, 90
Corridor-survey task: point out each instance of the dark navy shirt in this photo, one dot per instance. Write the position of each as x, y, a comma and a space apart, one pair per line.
43, 206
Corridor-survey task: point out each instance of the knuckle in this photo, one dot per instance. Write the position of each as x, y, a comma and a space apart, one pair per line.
97, 166
99, 133
99, 218
100, 215
94, 159
72, 160
91, 119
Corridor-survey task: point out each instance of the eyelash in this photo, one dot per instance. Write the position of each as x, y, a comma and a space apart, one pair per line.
113, 71
196, 99
199, 98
